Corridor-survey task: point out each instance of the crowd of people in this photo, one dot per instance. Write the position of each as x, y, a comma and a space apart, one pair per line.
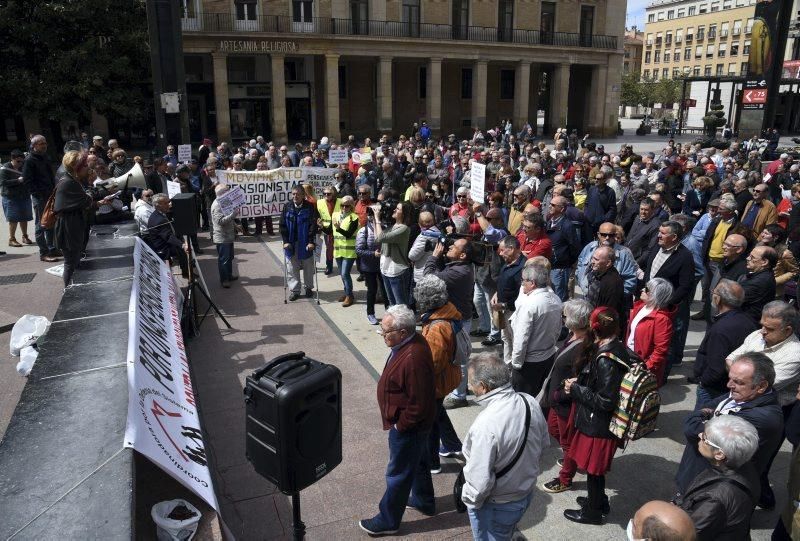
579, 263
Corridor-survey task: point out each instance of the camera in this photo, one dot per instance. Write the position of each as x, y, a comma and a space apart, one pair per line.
387, 208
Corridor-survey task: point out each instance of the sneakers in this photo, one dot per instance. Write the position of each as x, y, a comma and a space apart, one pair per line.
555, 486
424, 512
309, 292
226, 285
492, 341
373, 528
293, 296
699, 316
434, 470
560, 462
372, 319
450, 453
13, 243
451, 403
479, 332
48, 258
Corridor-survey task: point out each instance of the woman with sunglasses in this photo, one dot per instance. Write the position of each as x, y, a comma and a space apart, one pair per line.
343, 228
650, 326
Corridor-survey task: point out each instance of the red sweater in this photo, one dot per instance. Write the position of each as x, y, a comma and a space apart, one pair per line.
406, 391
538, 246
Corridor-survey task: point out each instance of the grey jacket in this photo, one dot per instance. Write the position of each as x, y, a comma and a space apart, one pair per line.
224, 230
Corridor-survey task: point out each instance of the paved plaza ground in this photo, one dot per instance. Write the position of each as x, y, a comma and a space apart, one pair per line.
264, 327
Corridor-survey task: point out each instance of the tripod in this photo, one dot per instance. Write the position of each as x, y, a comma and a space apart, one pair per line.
191, 296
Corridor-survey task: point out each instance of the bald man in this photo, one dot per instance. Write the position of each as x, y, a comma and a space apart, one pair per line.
566, 246
760, 212
661, 521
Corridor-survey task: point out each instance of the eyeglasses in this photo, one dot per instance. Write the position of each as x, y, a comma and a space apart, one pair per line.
360, 194
461, 197
607, 235
708, 442
386, 332
759, 191
328, 193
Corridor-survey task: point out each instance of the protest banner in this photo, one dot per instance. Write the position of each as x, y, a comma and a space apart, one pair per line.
477, 182
267, 191
184, 153
231, 200
337, 156
163, 422
173, 188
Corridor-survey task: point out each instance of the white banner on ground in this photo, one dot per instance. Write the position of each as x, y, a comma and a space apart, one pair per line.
163, 421
477, 182
337, 155
184, 153
231, 200
267, 191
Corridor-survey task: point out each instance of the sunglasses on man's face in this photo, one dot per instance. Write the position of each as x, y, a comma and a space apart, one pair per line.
607, 235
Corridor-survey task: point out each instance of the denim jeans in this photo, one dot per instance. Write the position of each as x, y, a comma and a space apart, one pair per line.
482, 307
345, 265
225, 261
408, 477
496, 521
44, 237
460, 392
560, 279
442, 430
398, 288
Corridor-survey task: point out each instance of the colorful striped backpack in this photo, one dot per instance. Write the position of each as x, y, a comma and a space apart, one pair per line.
639, 400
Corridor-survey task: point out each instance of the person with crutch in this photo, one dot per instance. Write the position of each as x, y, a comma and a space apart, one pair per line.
298, 227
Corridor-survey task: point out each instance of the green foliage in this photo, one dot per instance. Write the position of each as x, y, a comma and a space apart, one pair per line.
631, 94
63, 58
715, 118
637, 90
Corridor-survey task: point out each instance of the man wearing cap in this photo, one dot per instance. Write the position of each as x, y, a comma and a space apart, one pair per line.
98, 148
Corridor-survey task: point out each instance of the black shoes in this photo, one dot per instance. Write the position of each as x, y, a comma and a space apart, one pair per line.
584, 516
479, 332
583, 501
492, 341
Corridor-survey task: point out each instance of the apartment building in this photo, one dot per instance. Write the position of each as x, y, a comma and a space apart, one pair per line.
633, 46
299, 69
697, 38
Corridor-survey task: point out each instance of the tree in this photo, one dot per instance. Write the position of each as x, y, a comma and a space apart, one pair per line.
667, 91
64, 58
631, 94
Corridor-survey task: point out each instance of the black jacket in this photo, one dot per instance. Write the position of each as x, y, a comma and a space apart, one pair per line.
725, 335
678, 269
566, 246
733, 270
563, 368
721, 503
606, 290
38, 175
161, 237
596, 393
763, 412
759, 289
508, 282
10, 184
460, 279
642, 238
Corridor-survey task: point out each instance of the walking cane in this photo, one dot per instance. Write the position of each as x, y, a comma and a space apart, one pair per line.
285, 279
316, 281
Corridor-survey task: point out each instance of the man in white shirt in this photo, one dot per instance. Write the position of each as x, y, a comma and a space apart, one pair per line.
143, 210
535, 325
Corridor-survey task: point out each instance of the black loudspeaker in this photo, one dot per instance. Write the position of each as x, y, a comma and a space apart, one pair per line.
184, 214
294, 421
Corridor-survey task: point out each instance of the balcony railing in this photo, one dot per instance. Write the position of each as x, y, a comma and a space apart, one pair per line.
226, 22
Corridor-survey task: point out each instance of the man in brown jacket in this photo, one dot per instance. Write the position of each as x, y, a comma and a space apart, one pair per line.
759, 212
407, 401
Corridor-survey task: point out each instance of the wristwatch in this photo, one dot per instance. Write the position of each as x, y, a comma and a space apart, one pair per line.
478, 214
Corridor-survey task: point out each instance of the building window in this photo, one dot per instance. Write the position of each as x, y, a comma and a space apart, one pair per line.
665, 73
657, 57
724, 29
676, 56
241, 69
676, 73
193, 67
411, 17
737, 28
731, 69
505, 20
586, 26
726, 5
746, 49
749, 27
646, 74
302, 15
188, 9
660, 15
692, 10
712, 31
743, 70
667, 56
359, 17
679, 36
681, 13
655, 75
668, 39
423, 82
689, 34
720, 68
671, 14
698, 51
703, 8
466, 83
707, 71
649, 39
701, 31
723, 48
548, 21
714, 6
342, 82
507, 84
246, 14
687, 53
460, 19
735, 49
710, 51
696, 71
651, 18
647, 57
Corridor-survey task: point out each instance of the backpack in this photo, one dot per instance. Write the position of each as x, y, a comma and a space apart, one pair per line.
460, 348
638, 403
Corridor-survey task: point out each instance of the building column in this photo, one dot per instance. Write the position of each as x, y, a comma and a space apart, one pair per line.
522, 85
332, 97
434, 92
384, 94
279, 131
533, 107
479, 85
597, 101
221, 101
559, 96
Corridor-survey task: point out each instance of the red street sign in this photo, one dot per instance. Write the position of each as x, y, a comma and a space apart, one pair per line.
754, 95
688, 102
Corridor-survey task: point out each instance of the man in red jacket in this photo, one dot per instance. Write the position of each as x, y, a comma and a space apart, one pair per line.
407, 400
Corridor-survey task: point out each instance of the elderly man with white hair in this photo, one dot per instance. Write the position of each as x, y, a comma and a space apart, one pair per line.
223, 235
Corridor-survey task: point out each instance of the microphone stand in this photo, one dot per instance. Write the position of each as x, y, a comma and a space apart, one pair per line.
191, 297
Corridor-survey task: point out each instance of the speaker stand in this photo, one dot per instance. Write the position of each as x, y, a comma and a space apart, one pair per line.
191, 295
297, 523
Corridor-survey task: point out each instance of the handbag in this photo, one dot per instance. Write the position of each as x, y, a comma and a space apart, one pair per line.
48, 218
459, 483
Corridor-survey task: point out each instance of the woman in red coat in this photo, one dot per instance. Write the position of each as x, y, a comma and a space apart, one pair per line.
650, 326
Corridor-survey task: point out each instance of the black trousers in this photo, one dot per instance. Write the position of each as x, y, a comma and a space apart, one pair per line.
530, 378
374, 281
72, 258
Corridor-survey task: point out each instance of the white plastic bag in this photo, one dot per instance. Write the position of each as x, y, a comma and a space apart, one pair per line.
28, 356
27, 330
168, 529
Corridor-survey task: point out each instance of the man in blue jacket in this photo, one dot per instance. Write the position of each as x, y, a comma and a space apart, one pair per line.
298, 226
39, 177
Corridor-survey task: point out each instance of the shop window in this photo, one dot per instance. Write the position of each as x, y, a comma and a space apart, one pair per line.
507, 84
